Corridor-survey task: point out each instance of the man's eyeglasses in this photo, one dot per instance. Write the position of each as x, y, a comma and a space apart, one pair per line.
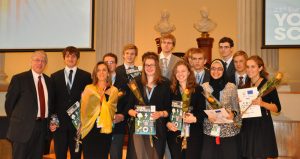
224, 47
39, 61
109, 62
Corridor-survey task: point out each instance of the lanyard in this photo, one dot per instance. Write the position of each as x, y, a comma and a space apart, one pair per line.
149, 94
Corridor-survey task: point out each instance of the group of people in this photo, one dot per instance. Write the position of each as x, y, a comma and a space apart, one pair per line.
108, 106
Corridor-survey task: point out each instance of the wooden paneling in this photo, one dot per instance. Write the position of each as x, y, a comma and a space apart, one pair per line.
288, 138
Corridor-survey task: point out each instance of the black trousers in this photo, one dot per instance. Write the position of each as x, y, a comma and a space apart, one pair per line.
34, 148
64, 139
96, 145
227, 149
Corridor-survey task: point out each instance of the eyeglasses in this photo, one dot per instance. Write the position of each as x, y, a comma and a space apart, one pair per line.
216, 69
39, 61
224, 47
109, 62
151, 65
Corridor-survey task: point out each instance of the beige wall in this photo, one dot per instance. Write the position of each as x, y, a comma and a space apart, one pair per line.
183, 14
290, 65
19, 62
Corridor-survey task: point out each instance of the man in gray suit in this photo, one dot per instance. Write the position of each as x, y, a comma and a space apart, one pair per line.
167, 59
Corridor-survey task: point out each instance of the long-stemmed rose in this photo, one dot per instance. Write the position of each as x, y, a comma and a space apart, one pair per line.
269, 86
186, 99
213, 102
136, 91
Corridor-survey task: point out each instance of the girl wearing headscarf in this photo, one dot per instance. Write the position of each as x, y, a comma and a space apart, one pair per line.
221, 141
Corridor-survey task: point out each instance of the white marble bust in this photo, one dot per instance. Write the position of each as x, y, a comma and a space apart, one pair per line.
164, 26
205, 24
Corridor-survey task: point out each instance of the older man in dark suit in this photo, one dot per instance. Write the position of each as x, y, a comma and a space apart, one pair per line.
68, 84
28, 105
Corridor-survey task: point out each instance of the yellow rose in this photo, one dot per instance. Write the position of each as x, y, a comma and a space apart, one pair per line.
210, 99
186, 91
279, 76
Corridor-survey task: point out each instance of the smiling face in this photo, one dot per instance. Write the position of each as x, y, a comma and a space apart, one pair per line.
102, 73
216, 70
129, 56
253, 70
182, 73
38, 62
150, 67
70, 60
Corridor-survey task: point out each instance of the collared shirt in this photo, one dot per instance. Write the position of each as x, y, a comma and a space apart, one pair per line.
162, 56
201, 74
228, 61
127, 66
36, 79
237, 78
113, 78
67, 72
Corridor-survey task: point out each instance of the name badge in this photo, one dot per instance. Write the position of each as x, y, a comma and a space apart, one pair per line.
216, 130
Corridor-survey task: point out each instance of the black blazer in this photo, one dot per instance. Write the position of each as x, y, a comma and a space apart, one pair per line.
121, 83
62, 99
21, 105
230, 69
198, 104
232, 79
206, 76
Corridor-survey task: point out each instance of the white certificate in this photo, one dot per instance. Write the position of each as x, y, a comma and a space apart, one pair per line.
246, 96
220, 115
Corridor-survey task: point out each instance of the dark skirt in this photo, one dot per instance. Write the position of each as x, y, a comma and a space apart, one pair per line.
258, 138
96, 145
227, 149
194, 145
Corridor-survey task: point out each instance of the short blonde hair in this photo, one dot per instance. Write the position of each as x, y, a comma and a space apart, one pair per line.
130, 46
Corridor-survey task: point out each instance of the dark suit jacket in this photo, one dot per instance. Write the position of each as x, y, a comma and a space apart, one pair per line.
232, 79
206, 76
161, 98
62, 99
230, 69
121, 83
21, 105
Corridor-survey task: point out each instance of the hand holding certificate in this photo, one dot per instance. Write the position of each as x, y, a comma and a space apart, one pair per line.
219, 115
246, 96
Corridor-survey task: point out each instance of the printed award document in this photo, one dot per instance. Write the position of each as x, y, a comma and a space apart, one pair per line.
246, 96
220, 115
